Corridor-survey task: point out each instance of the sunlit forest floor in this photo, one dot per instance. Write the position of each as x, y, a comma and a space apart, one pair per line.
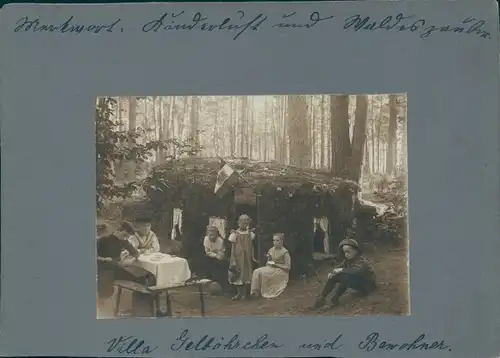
390, 297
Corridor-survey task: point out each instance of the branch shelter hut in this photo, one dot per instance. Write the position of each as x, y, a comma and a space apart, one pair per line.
278, 198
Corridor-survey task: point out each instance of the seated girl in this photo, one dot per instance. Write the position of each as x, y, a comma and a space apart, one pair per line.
271, 280
215, 263
354, 272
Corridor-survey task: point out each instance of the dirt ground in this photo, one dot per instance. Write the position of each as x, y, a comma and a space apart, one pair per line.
390, 297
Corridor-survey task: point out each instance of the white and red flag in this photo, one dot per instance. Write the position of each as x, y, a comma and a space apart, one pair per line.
227, 177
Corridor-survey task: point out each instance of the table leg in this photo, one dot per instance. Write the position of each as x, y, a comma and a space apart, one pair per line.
156, 305
169, 304
202, 300
117, 301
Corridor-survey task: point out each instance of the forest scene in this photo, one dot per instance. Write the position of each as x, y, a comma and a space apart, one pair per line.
317, 169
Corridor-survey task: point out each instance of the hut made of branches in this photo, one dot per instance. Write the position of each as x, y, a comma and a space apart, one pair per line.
278, 198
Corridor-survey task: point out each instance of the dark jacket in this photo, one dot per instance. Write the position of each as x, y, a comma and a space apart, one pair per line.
360, 267
111, 246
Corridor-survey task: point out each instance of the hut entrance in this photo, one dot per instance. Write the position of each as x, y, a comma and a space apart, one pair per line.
321, 236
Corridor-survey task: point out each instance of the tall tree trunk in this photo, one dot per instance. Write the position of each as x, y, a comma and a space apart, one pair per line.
194, 119
358, 137
404, 141
132, 111
366, 159
298, 132
172, 116
121, 124
265, 136
147, 122
251, 127
237, 120
284, 141
162, 125
373, 135
378, 129
279, 129
322, 132
391, 138
157, 130
231, 127
183, 119
341, 145
242, 124
329, 142
275, 125
313, 132
166, 108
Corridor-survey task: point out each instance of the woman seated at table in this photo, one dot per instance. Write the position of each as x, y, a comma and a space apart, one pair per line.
271, 280
110, 268
144, 239
215, 264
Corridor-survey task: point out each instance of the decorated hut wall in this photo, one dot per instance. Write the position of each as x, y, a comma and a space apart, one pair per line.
286, 199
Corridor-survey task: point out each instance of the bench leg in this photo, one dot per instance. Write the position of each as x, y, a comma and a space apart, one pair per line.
169, 304
117, 301
202, 300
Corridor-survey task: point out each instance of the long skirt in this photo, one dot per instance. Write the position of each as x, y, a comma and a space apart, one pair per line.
216, 270
269, 281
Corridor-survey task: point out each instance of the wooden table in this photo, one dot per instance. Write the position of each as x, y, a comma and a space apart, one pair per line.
156, 291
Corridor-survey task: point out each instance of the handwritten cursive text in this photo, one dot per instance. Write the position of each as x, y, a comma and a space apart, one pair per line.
25, 24
130, 346
314, 19
332, 345
238, 24
373, 341
187, 343
410, 23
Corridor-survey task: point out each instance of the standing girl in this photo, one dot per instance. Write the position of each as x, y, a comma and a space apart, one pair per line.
242, 257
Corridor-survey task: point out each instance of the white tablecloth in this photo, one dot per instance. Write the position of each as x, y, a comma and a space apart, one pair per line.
168, 270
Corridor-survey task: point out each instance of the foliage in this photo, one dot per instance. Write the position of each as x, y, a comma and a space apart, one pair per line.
120, 146
396, 195
203, 172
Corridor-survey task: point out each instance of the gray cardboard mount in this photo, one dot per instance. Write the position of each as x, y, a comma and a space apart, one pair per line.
49, 82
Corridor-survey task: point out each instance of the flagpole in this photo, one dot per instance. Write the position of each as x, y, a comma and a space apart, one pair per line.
257, 209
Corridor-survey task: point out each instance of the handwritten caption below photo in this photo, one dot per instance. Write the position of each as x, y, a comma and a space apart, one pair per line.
131, 345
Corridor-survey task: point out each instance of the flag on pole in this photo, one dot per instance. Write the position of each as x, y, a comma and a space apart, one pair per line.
226, 178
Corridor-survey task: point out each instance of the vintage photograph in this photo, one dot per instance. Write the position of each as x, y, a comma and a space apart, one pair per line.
220, 206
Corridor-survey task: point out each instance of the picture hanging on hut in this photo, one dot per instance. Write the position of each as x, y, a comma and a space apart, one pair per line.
251, 206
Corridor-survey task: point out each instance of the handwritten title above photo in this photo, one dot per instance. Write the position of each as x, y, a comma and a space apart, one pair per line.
243, 22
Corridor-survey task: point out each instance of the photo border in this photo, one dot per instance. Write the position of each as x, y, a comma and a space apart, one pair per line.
48, 86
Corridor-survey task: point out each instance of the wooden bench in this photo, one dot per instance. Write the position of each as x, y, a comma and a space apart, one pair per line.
156, 291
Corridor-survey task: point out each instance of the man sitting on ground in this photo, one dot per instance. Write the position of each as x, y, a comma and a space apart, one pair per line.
354, 272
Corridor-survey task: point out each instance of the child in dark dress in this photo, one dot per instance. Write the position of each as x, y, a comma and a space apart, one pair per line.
354, 272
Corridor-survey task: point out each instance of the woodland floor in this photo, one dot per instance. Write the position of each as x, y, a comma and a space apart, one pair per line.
390, 297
